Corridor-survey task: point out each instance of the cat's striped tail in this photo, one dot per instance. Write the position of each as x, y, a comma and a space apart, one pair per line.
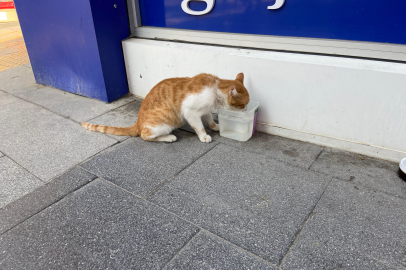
121, 131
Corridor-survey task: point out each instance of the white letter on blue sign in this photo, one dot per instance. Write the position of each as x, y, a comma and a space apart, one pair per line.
210, 6
278, 4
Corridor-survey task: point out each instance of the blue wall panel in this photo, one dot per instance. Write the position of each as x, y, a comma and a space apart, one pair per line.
360, 20
111, 25
66, 50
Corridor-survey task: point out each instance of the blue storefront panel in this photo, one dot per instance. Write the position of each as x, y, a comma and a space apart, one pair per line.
357, 20
76, 45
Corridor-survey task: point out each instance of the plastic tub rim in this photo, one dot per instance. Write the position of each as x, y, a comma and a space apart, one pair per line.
257, 104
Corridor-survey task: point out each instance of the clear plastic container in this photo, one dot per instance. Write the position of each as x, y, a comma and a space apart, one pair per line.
402, 169
238, 125
402, 165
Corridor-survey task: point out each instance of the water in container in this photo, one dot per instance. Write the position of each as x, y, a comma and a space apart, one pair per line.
238, 125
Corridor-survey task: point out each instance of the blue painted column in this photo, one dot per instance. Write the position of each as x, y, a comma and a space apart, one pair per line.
75, 45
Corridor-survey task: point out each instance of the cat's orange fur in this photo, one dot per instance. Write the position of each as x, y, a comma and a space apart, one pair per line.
163, 108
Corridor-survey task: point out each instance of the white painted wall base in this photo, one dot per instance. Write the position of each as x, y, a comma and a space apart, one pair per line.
367, 150
351, 104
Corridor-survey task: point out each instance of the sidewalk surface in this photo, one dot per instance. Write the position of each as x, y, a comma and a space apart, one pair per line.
12, 47
76, 199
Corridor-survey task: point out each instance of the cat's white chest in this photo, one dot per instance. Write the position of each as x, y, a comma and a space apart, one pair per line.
201, 103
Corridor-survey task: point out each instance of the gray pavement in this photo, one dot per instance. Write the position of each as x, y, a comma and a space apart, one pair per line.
75, 199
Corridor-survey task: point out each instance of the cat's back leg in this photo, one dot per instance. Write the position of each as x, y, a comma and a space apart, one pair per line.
158, 133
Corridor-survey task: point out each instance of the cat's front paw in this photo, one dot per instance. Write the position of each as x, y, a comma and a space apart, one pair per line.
205, 139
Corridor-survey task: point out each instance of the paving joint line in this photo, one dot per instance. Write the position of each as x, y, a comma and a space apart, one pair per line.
5, 155
129, 94
110, 136
240, 248
111, 183
304, 224
163, 183
369, 188
327, 174
33, 103
46, 207
358, 184
66, 117
156, 189
184, 246
183, 129
77, 164
202, 229
322, 150
100, 152
209, 232
65, 171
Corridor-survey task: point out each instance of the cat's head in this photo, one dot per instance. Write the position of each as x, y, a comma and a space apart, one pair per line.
238, 96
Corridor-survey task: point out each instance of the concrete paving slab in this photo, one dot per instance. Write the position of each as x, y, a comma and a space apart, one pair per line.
369, 172
18, 81
15, 182
99, 226
42, 197
1, 154
352, 228
75, 107
125, 116
28, 65
140, 166
42, 142
295, 152
253, 201
206, 251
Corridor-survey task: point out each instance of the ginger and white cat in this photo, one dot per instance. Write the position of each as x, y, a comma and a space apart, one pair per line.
173, 101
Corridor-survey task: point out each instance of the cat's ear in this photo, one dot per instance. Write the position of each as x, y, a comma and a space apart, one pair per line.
240, 78
233, 91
